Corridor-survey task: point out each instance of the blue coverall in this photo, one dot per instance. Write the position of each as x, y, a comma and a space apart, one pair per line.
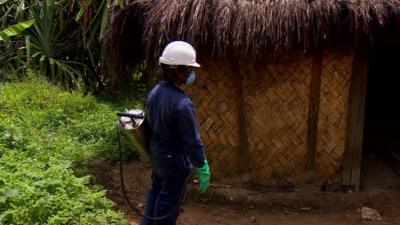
175, 145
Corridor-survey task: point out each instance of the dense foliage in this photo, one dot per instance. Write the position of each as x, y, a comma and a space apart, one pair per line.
47, 136
64, 42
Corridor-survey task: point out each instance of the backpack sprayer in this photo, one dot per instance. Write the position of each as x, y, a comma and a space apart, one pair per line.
134, 125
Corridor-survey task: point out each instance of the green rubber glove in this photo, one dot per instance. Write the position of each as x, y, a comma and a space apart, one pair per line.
204, 177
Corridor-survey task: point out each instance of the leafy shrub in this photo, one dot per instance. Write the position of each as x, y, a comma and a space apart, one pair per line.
42, 118
46, 135
33, 191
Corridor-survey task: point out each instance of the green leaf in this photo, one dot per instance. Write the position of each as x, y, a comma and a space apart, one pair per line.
3, 215
3, 199
80, 14
15, 29
104, 20
12, 192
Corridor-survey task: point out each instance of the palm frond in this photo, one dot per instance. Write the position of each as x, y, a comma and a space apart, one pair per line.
15, 29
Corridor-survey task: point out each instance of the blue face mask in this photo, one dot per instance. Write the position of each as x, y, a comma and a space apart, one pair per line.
192, 77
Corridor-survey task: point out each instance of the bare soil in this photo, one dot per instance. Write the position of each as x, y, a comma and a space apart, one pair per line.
242, 205
379, 174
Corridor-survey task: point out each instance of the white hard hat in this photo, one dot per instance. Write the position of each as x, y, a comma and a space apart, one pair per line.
179, 53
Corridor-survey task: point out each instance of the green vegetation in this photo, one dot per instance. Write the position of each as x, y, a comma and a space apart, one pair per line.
34, 191
47, 137
50, 132
60, 39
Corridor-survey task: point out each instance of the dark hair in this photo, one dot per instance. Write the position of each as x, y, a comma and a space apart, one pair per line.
170, 73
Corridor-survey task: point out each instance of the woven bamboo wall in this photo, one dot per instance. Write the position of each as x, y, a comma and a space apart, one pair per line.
215, 99
335, 87
276, 99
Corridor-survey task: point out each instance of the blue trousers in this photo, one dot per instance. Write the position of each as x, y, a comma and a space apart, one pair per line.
165, 196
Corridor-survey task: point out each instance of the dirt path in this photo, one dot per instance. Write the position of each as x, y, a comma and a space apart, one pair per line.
198, 214
247, 207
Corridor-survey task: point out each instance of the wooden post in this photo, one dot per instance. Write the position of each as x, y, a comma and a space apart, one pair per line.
313, 113
243, 154
355, 121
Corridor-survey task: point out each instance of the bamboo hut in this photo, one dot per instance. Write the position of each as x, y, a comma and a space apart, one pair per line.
280, 94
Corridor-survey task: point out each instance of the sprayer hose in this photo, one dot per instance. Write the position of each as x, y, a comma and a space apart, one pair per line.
135, 209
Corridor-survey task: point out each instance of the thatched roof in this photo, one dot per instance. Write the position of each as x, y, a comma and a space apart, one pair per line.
242, 28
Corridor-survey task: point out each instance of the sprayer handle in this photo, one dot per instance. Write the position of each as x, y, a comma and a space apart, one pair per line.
130, 115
